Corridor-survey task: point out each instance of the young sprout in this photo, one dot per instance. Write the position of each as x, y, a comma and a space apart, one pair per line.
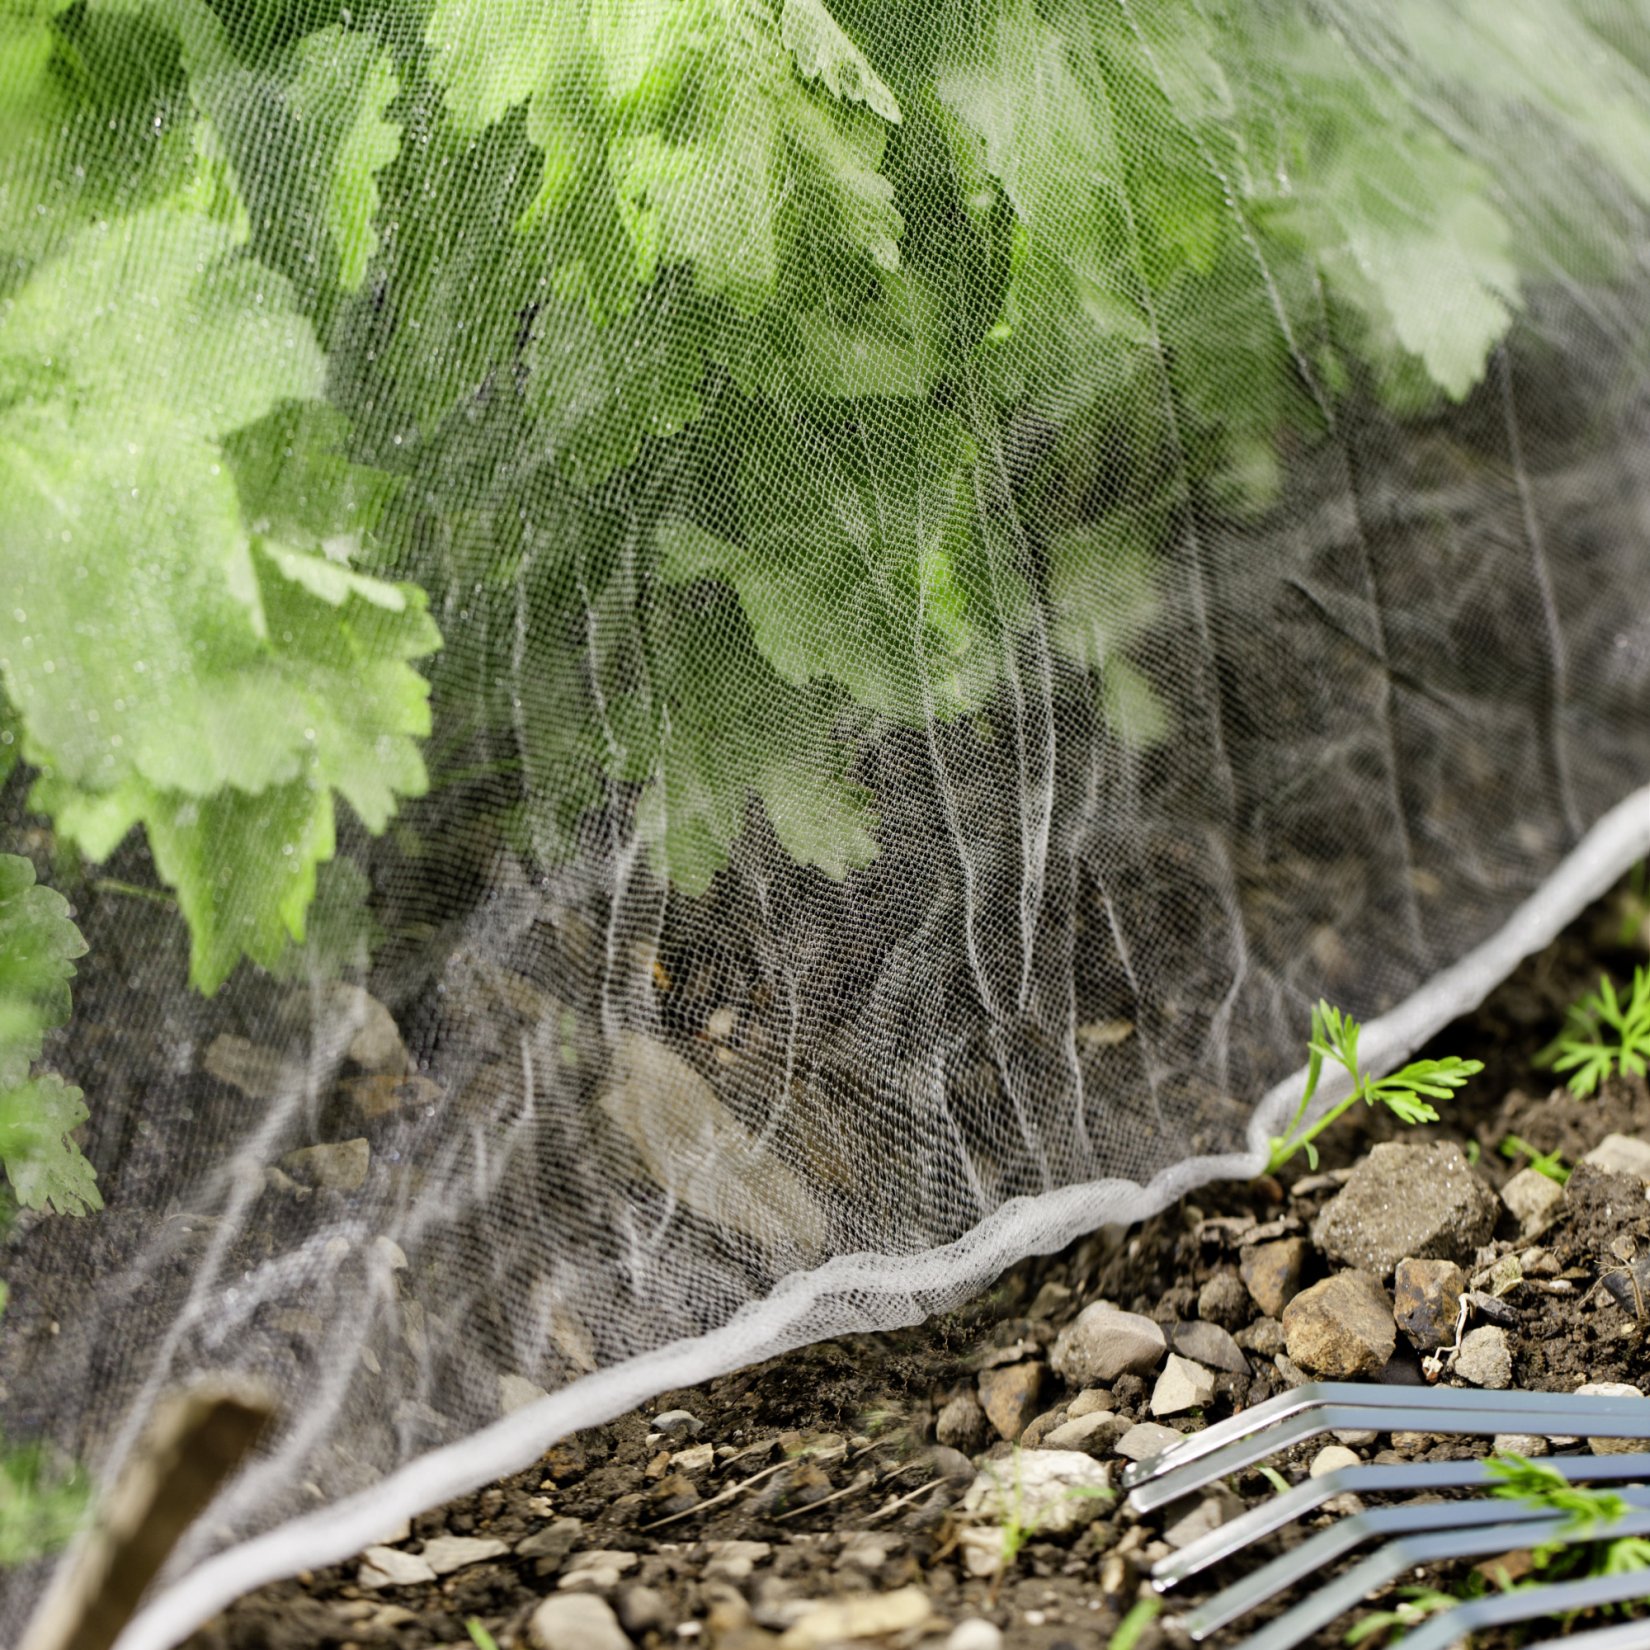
1551, 1164
1603, 1035
1405, 1094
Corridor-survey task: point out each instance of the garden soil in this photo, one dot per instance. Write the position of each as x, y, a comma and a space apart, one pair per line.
740, 1514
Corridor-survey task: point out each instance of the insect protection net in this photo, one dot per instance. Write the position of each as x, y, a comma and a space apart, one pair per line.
693, 669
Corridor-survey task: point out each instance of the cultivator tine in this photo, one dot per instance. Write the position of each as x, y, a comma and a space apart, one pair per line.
1235, 1534
1336, 1597
1623, 1635
1319, 1551
1556, 1599
1599, 1418
1320, 1395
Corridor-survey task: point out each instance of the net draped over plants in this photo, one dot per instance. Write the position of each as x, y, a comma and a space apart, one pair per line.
676, 673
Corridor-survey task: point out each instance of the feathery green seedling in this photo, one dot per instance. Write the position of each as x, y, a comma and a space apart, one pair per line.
1583, 1548
479, 1636
1551, 1164
1140, 1615
1603, 1034
1406, 1094
1414, 1605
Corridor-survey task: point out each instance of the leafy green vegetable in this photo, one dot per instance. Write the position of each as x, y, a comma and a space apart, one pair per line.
1405, 1093
1603, 1034
38, 1114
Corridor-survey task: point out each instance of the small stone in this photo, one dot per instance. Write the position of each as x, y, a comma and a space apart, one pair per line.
1292, 1374
869, 1550
981, 1549
1182, 1386
1485, 1358
1332, 1458
1216, 1508
1341, 1327
1621, 1154
1103, 1342
975, 1633
1210, 1345
1427, 1301
1038, 1428
1534, 1199
1263, 1337
674, 1493
446, 1553
1050, 1298
641, 1610
734, 1560
1271, 1273
576, 1621
553, 1542
517, 1392
1528, 1444
599, 1569
1009, 1397
961, 1423
1611, 1389
864, 1616
674, 1421
339, 1166
1407, 1200
1355, 1437
1147, 1439
1223, 1300
1095, 1432
390, 1567
1052, 1490
1088, 1401
695, 1458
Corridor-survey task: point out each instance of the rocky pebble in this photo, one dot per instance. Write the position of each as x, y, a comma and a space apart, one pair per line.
576, 1621
1146, 1439
1403, 1200
1534, 1199
1271, 1272
446, 1553
1342, 1327
1484, 1359
1103, 1342
1621, 1154
1210, 1345
390, 1567
1009, 1397
1426, 1301
1182, 1386
1612, 1389
1051, 1489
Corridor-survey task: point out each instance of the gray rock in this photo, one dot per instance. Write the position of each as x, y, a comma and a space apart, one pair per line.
553, 1543
1009, 1397
1527, 1444
1271, 1273
1534, 1199
1146, 1439
1340, 1328
1407, 1200
1217, 1507
975, 1633
1208, 1344
1095, 1432
1089, 1400
1053, 1489
599, 1570
576, 1621
1621, 1154
1485, 1358
390, 1567
1611, 1389
1223, 1300
734, 1560
1332, 1458
1182, 1386
961, 1423
675, 1421
446, 1553
340, 1166
1264, 1337
1427, 1301
1103, 1342
641, 1610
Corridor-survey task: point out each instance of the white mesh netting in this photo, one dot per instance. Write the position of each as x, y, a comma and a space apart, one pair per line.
699, 668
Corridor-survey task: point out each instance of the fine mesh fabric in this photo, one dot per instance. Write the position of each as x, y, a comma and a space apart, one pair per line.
698, 669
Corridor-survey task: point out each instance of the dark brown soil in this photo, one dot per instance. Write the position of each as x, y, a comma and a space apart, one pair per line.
828, 1457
